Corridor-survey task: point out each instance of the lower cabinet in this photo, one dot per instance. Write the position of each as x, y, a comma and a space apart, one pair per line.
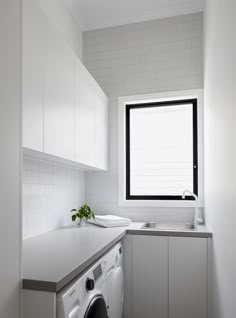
168, 277
187, 277
149, 277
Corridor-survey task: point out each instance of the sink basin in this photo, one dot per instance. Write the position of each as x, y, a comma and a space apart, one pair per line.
169, 226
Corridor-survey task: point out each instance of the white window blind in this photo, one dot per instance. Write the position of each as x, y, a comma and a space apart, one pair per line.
161, 150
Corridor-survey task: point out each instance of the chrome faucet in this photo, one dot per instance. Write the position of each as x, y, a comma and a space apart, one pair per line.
197, 215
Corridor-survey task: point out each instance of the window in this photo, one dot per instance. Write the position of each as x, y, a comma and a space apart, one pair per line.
161, 150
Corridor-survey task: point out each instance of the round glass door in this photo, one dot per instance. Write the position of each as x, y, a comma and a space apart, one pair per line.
97, 308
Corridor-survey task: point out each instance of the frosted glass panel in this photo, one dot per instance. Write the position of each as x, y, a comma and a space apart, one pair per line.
161, 150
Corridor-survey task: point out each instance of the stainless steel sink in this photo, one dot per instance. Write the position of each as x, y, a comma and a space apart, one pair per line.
169, 226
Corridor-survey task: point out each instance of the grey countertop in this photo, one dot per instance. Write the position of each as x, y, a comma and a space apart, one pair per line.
53, 259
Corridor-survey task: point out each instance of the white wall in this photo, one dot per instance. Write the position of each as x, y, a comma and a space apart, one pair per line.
141, 58
10, 103
220, 131
50, 191
64, 22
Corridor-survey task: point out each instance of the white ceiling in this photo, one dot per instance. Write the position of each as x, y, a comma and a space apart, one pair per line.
95, 14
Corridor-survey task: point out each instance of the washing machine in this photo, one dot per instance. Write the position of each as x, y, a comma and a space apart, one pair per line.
98, 293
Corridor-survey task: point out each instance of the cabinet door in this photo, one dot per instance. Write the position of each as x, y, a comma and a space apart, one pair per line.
101, 129
149, 276
187, 277
59, 97
33, 75
84, 115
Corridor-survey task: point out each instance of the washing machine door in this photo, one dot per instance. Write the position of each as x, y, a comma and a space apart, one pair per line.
116, 293
97, 308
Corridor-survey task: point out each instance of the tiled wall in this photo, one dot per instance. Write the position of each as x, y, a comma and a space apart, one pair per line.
141, 58
49, 192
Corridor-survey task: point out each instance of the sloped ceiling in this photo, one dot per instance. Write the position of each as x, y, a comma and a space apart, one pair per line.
95, 14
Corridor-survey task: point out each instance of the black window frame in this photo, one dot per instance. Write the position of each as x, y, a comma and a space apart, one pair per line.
173, 103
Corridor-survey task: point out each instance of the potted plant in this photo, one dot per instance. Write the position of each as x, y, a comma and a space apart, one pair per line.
84, 213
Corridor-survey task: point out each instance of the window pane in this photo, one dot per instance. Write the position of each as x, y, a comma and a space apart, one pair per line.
161, 150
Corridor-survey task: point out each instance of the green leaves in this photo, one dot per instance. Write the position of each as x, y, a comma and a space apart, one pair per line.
83, 212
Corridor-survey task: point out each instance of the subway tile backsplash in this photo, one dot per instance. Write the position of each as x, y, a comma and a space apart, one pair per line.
49, 192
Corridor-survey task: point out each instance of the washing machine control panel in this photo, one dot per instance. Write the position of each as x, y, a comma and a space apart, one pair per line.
97, 272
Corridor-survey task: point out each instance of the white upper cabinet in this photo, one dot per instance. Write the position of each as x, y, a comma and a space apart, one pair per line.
84, 115
64, 109
33, 75
101, 129
59, 101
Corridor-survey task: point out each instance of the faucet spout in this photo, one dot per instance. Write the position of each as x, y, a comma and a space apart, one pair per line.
197, 215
